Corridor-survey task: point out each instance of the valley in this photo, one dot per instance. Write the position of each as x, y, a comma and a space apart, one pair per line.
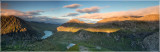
75, 35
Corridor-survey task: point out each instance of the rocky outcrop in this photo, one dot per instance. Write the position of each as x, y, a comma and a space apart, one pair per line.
83, 35
151, 42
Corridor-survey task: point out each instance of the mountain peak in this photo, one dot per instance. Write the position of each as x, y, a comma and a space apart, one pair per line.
17, 28
75, 21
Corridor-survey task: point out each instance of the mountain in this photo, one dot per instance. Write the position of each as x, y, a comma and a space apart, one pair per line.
75, 21
15, 31
126, 33
113, 24
151, 17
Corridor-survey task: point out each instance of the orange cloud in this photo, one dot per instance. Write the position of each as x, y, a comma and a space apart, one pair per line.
89, 10
71, 14
72, 6
7, 12
140, 12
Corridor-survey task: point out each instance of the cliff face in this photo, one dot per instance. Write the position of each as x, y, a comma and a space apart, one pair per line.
15, 29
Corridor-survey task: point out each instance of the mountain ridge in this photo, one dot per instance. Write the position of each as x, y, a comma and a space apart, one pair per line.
75, 21
16, 30
150, 17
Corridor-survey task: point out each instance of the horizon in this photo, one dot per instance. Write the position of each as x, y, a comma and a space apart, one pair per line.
63, 11
91, 25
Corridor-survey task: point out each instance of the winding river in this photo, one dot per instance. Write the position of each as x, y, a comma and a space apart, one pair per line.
47, 34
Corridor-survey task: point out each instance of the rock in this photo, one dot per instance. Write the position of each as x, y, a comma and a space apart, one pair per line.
83, 35
98, 47
151, 42
117, 37
83, 48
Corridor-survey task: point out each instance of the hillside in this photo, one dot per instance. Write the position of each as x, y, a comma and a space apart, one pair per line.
132, 34
16, 32
151, 17
75, 21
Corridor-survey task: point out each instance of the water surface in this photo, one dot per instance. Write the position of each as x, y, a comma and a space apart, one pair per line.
47, 34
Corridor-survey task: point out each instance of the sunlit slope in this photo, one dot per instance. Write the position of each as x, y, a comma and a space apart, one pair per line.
151, 17
75, 29
75, 25
12, 24
107, 30
126, 22
68, 29
75, 21
14, 27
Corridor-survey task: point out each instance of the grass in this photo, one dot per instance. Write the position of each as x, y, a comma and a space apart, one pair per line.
74, 48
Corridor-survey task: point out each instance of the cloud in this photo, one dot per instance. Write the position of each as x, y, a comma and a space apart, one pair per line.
4, 5
20, 13
72, 6
37, 12
12, 12
89, 10
33, 16
88, 20
71, 14
140, 12
46, 19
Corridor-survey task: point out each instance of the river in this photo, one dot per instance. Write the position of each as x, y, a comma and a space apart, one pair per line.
47, 34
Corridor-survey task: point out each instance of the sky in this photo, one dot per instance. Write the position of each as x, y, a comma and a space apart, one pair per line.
88, 11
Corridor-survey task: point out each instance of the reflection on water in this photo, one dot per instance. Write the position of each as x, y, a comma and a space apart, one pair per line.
70, 45
74, 29
47, 34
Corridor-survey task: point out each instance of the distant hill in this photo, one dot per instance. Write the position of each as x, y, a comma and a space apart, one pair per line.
124, 22
151, 17
75, 21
